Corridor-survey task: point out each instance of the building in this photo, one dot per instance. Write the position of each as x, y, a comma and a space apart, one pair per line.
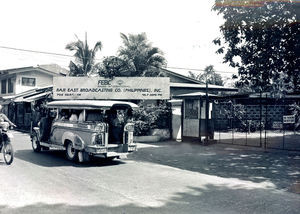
19, 83
17, 80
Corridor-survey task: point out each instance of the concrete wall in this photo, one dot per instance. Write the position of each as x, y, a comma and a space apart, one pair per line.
274, 114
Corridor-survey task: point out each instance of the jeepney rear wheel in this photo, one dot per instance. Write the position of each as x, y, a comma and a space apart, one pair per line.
71, 152
35, 144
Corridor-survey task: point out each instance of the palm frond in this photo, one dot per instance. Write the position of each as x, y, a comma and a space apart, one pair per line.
83, 54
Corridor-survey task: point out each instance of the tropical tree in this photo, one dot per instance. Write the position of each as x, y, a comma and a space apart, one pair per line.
262, 40
113, 66
84, 57
209, 75
140, 56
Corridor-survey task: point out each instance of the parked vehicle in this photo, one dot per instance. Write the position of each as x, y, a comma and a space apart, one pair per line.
6, 146
85, 128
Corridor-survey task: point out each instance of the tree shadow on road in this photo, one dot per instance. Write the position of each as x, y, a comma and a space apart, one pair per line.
208, 198
281, 169
58, 158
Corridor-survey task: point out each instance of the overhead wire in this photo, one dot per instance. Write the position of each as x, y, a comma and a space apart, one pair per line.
66, 55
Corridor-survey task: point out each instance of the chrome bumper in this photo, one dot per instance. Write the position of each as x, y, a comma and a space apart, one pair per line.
111, 149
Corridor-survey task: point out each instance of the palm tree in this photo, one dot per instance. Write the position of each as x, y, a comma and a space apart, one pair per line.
209, 75
84, 57
141, 57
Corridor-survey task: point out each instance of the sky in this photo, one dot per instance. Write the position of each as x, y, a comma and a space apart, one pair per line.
182, 29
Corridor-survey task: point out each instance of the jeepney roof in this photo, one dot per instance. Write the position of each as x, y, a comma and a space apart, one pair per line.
89, 104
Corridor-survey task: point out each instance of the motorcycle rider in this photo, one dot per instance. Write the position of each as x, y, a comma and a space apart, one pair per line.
4, 121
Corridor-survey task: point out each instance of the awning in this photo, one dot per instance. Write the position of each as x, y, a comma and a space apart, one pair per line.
5, 102
38, 96
33, 97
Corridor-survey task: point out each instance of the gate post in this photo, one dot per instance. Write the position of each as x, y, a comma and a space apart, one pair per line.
177, 121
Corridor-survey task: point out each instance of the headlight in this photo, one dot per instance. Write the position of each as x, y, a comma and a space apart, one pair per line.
129, 127
97, 139
100, 127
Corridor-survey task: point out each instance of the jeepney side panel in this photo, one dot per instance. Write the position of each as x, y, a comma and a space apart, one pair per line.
79, 133
57, 131
77, 141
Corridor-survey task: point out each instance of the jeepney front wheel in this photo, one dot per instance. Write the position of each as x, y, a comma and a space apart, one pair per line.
35, 144
71, 152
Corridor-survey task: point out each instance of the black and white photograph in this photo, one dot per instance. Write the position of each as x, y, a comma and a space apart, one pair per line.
153, 107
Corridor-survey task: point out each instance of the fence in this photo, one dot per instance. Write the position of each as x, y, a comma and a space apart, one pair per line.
259, 122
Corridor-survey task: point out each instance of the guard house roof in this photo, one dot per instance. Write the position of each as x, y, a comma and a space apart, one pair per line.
89, 104
195, 95
201, 86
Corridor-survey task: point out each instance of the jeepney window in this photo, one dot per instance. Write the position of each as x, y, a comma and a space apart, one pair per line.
94, 115
52, 113
64, 114
191, 109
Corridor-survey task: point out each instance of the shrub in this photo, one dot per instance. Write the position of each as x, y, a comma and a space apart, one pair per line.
149, 117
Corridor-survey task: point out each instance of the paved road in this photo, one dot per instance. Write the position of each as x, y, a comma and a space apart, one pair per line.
150, 181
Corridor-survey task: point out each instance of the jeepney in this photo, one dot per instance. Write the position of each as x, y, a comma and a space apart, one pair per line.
85, 128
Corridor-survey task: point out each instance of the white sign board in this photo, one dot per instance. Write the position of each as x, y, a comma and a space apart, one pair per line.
119, 88
289, 119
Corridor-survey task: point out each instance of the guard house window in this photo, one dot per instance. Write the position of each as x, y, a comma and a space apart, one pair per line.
28, 81
3, 86
10, 86
191, 109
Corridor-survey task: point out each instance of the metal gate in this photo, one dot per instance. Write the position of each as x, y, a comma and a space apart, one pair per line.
259, 122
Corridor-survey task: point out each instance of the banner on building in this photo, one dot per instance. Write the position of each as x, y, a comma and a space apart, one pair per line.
118, 88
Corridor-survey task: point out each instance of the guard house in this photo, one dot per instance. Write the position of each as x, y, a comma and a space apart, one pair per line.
188, 101
197, 116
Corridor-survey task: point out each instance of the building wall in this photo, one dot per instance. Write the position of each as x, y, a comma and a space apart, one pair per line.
41, 79
7, 78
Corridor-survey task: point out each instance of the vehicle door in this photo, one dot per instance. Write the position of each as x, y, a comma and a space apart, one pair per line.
59, 126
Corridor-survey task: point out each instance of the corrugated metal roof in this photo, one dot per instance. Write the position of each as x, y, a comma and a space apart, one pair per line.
196, 94
50, 68
202, 86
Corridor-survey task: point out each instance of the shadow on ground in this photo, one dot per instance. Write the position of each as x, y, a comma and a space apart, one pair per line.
205, 199
280, 168
271, 139
58, 158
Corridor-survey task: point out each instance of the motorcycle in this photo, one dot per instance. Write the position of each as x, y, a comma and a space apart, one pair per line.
6, 146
